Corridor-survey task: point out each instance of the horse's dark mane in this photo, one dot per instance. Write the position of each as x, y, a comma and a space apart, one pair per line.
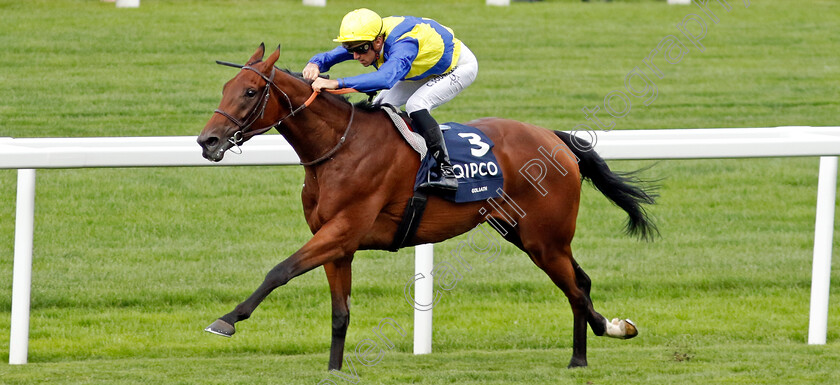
298, 75
367, 105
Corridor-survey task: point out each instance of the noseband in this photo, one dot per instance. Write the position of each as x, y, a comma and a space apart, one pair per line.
244, 133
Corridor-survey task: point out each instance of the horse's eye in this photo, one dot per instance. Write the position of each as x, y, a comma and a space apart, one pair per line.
250, 93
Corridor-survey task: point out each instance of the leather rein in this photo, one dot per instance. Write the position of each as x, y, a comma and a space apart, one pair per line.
244, 133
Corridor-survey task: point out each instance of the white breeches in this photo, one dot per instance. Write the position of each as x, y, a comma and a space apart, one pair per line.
435, 90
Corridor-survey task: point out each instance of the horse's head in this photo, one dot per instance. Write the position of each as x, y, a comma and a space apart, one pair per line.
242, 112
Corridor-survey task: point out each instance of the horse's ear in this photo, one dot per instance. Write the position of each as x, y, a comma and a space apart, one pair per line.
273, 57
257, 55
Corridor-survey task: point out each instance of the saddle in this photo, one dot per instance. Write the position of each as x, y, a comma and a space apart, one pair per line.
470, 151
401, 120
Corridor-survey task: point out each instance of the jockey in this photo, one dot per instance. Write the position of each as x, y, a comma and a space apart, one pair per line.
420, 64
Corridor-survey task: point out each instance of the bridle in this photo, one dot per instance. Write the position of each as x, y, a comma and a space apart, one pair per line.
244, 133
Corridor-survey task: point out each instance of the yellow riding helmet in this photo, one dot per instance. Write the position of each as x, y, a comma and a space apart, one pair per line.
359, 25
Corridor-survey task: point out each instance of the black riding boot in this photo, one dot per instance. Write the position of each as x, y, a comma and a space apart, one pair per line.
426, 126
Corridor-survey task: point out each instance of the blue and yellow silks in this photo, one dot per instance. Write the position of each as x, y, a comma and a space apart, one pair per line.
414, 49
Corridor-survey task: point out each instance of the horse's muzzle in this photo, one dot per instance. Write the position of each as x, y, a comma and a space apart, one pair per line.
213, 147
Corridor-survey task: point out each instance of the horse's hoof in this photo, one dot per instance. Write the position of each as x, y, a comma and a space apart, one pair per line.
630, 329
623, 329
577, 363
221, 328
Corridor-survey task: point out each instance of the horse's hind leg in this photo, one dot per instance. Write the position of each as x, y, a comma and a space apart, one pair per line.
560, 267
596, 321
575, 284
617, 328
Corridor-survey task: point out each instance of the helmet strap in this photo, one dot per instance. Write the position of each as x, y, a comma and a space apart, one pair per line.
380, 47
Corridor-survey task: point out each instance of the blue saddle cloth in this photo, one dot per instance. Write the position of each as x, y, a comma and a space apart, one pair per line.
471, 155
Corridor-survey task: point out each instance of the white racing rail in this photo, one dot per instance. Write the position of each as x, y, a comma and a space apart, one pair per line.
26, 155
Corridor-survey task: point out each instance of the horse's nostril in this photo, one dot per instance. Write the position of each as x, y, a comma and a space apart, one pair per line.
212, 141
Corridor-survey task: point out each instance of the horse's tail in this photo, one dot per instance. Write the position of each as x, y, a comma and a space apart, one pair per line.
626, 190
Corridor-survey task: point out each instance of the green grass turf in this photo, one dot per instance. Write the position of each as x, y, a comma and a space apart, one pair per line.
131, 264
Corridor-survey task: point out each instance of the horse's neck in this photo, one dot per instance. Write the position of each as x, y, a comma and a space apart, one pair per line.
317, 129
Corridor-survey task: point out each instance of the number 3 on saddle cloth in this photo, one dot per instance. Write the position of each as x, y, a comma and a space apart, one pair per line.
478, 173
475, 166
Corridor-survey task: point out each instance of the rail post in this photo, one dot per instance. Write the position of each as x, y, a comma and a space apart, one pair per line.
423, 294
22, 280
823, 234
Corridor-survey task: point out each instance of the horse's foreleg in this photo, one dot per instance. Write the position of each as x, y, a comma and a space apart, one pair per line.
278, 276
339, 275
333, 241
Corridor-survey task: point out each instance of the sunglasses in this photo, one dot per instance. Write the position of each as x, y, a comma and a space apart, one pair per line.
360, 49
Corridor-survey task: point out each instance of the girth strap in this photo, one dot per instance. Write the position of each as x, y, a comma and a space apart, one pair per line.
410, 221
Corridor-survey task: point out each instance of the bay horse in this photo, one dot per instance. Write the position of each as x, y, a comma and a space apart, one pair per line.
359, 176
